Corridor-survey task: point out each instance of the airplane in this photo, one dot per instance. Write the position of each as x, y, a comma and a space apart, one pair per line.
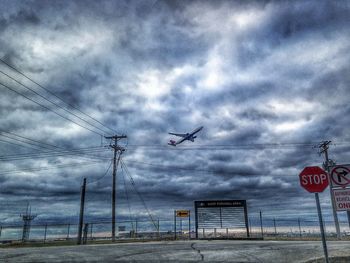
185, 136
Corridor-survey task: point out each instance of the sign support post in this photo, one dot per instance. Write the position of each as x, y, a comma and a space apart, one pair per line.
319, 212
315, 180
189, 225
340, 182
174, 224
182, 214
325, 145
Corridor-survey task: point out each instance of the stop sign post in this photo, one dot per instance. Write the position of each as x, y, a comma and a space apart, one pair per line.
314, 179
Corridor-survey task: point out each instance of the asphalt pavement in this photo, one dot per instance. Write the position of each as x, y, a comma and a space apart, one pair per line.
181, 251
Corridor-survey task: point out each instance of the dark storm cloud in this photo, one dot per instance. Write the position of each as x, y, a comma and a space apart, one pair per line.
250, 73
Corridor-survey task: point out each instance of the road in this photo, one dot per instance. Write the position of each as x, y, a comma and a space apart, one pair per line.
177, 251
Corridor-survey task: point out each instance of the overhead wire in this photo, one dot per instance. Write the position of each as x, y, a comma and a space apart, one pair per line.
177, 168
22, 137
124, 167
17, 144
53, 94
40, 144
128, 202
92, 148
83, 151
36, 169
104, 174
49, 109
52, 102
219, 147
19, 140
36, 144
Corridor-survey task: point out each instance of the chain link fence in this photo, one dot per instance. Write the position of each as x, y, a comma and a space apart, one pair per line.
163, 229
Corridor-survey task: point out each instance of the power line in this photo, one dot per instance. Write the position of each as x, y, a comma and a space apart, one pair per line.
137, 192
86, 155
53, 94
28, 155
176, 169
19, 136
128, 202
26, 146
101, 177
229, 147
4, 135
52, 102
93, 148
83, 151
49, 168
49, 109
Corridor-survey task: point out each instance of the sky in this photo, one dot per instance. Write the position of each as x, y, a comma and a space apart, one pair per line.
268, 81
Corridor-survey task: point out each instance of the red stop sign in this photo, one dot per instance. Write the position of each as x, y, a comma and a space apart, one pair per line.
314, 179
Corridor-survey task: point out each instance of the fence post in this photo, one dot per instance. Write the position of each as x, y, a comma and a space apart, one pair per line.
250, 226
0, 230
91, 231
86, 229
299, 227
136, 227
45, 233
189, 224
68, 228
274, 224
261, 225
174, 224
158, 228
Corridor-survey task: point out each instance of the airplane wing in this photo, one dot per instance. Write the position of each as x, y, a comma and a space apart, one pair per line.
196, 130
179, 134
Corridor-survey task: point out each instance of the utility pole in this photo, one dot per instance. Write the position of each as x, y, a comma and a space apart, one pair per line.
324, 146
81, 215
27, 220
120, 150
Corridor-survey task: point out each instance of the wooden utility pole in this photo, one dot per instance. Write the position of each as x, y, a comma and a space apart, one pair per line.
324, 146
120, 150
81, 215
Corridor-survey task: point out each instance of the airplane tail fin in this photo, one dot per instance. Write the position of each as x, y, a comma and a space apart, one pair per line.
172, 143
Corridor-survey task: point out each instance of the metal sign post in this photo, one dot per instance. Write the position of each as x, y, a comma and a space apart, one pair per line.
182, 214
315, 180
174, 224
340, 182
319, 212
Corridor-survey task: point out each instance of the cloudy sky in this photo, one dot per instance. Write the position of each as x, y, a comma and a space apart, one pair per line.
266, 79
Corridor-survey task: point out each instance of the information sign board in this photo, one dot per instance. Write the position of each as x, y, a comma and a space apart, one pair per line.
340, 175
182, 213
342, 199
216, 214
